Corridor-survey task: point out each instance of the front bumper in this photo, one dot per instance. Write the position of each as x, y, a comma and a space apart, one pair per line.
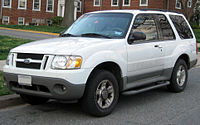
47, 87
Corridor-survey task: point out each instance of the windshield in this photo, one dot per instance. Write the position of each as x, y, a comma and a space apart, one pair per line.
107, 25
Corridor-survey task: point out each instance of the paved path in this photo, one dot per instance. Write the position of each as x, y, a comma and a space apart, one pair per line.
25, 35
156, 107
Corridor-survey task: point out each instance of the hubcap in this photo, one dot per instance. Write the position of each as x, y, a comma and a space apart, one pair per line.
105, 94
181, 75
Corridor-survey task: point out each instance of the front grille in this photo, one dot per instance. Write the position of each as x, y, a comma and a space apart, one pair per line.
31, 61
29, 66
28, 55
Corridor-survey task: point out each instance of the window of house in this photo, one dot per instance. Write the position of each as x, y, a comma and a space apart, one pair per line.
178, 4
20, 20
50, 5
6, 20
143, 2
79, 7
181, 27
7, 3
96, 2
22, 4
165, 28
114, 2
36, 5
145, 23
189, 3
126, 2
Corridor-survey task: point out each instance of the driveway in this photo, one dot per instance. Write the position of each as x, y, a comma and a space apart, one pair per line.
25, 35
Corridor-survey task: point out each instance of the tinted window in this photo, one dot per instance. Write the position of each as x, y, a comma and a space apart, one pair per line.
181, 27
146, 24
165, 28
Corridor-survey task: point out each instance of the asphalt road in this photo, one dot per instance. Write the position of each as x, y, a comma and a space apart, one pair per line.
153, 107
25, 35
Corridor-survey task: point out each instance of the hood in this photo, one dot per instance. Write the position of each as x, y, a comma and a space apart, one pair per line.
64, 45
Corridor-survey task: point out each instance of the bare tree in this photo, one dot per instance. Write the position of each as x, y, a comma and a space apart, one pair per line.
69, 13
188, 12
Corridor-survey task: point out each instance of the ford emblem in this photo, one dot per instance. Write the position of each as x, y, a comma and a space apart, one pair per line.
27, 61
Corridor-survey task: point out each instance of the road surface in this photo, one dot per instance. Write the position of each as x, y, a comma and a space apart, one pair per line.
25, 35
153, 107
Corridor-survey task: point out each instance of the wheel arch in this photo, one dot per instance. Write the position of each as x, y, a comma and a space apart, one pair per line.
186, 58
112, 67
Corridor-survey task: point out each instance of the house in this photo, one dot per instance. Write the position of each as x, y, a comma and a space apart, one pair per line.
40, 12
96, 5
28, 12
171, 5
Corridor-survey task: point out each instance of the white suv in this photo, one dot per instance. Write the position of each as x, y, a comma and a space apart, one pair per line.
102, 55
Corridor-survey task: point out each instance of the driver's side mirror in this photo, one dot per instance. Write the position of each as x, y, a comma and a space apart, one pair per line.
136, 36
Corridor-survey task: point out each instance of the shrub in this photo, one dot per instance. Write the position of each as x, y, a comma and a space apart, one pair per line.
56, 21
194, 25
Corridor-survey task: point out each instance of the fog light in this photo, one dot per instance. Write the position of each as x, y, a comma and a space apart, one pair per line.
60, 89
64, 88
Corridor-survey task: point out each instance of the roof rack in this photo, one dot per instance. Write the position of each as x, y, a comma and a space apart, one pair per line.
155, 9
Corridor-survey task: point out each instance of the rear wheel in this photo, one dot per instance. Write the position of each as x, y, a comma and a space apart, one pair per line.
33, 100
179, 77
101, 94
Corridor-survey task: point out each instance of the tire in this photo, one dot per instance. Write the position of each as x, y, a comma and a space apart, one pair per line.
101, 94
33, 100
179, 77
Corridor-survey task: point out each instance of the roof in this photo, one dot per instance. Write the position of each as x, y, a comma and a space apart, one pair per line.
138, 11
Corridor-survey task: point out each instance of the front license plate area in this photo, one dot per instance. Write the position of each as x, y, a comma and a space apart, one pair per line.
24, 80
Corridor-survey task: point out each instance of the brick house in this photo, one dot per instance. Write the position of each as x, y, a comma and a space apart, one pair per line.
28, 12
94, 5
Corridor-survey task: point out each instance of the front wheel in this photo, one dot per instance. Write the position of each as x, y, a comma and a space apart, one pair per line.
101, 94
179, 77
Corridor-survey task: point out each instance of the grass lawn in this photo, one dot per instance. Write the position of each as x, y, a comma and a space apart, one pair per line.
52, 29
3, 89
197, 34
7, 43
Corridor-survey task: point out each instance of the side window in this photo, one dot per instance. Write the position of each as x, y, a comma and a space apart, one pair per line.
146, 24
181, 27
165, 28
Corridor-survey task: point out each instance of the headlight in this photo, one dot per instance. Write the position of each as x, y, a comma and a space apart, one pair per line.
66, 62
8, 59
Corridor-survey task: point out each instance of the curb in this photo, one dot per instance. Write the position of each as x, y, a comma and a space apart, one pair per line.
31, 31
10, 100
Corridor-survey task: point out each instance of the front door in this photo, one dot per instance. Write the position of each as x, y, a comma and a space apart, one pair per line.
145, 56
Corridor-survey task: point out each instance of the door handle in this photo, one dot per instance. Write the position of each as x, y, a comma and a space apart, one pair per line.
157, 46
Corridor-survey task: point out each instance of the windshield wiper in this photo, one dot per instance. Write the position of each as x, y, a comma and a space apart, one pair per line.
95, 35
68, 35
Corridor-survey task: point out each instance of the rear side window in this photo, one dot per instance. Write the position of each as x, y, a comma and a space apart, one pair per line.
181, 27
165, 28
